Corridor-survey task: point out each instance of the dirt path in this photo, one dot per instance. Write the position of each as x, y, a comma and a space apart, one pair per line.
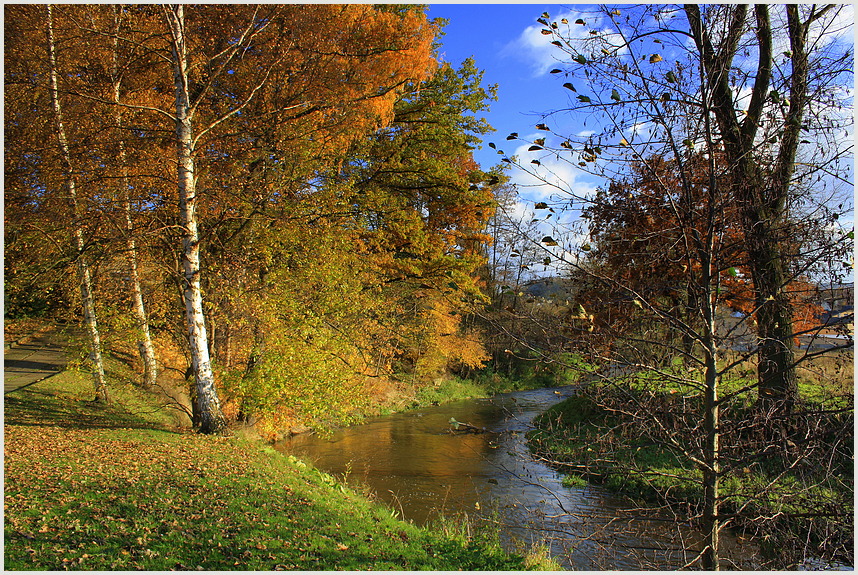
27, 363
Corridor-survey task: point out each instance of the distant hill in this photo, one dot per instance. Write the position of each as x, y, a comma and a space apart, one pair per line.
550, 288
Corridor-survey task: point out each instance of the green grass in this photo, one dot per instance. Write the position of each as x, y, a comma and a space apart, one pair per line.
580, 433
97, 487
450, 389
590, 443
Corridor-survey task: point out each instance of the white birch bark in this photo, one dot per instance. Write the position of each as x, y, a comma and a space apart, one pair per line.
144, 343
211, 417
83, 273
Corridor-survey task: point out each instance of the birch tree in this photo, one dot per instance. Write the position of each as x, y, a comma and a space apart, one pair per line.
83, 270
208, 403
144, 344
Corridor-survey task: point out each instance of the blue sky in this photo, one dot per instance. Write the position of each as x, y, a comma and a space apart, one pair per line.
505, 42
500, 39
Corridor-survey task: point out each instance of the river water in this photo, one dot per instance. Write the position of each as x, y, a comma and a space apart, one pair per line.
413, 462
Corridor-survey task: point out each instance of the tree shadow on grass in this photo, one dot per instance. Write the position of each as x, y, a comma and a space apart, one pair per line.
47, 409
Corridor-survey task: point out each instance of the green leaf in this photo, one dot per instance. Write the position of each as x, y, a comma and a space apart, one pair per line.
670, 76
492, 146
615, 95
585, 99
733, 272
569, 86
556, 71
586, 247
580, 59
546, 261
549, 241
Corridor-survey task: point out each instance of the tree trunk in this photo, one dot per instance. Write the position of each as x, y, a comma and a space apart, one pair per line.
712, 469
211, 417
83, 273
144, 342
761, 193
778, 387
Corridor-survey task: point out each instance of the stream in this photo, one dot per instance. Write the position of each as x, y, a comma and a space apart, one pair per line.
411, 461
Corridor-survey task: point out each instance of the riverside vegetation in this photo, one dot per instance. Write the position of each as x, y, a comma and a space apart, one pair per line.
111, 487
595, 437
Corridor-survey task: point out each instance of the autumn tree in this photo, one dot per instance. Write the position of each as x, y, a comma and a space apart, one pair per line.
359, 271
70, 185
243, 90
422, 204
648, 102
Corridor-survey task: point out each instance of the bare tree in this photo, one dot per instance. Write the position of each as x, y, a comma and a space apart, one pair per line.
700, 130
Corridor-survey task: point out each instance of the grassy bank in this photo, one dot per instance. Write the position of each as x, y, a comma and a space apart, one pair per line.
521, 375
794, 498
115, 487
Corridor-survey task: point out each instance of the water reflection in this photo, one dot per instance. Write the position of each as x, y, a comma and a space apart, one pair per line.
418, 467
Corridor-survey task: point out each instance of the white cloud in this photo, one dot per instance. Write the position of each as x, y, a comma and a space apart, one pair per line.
553, 180
535, 47
563, 187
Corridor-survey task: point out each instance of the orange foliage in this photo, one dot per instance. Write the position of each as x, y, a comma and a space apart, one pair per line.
644, 234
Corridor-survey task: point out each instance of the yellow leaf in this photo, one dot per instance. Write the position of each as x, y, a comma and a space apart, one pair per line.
623, 142
655, 58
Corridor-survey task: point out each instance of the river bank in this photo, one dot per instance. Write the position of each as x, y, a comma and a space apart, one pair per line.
114, 487
794, 510
417, 462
